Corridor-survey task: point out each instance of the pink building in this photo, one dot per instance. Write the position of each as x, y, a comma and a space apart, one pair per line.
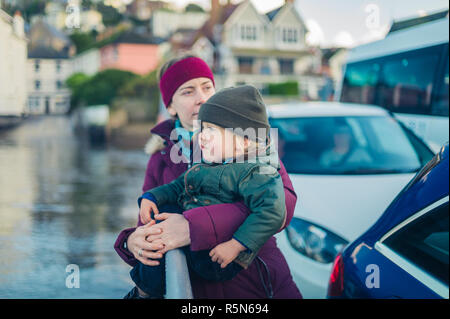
131, 52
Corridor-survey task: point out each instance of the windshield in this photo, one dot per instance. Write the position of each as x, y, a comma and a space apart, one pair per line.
345, 145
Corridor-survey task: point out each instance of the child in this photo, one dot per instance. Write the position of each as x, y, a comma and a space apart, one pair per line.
234, 168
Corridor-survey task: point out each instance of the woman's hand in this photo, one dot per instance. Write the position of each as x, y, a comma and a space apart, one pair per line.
174, 232
137, 241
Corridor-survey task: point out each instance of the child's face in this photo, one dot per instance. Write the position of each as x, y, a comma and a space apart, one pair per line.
218, 144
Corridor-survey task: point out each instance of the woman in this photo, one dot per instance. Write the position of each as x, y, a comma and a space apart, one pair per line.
185, 84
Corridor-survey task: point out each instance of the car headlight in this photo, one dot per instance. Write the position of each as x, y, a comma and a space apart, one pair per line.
314, 241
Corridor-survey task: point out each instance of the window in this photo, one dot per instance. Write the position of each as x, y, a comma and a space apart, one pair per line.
407, 83
59, 85
61, 103
424, 242
306, 145
34, 103
37, 65
440, 106
245, 65
360, 83
290, 35
37, 85
286, 66
248, 32
58, 66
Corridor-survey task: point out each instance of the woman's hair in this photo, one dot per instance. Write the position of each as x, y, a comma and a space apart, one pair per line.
171, 62
168, 64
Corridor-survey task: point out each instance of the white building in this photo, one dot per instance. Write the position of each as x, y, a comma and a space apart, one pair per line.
13, 57
87, 62
260, 49
48, 67
47, 72
163, 23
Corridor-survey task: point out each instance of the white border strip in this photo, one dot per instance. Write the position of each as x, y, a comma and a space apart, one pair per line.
414, 217
429, 281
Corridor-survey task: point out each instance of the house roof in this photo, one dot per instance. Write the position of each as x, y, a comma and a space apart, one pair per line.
53, 32
45, 52
137, 38
207, 29
408, 23
271, 14
183, 38
47, 42
328, 53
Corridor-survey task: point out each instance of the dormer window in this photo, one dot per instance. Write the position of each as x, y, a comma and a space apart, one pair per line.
290, 35
248, 32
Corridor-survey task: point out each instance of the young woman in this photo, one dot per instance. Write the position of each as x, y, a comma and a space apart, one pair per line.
186, 84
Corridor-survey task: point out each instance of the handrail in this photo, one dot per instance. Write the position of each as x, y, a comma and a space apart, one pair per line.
178, 284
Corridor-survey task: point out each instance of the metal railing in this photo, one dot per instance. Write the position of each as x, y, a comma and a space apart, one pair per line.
178, 284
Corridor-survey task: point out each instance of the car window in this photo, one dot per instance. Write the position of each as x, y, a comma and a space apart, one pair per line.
440, 106
406, 86
345, 145
425, 241
360, 81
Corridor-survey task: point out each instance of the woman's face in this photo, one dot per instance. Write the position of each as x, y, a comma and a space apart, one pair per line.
188, 98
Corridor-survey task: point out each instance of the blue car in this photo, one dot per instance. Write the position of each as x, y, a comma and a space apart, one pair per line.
405, 253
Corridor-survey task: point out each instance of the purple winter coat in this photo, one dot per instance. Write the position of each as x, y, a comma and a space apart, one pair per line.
212, 225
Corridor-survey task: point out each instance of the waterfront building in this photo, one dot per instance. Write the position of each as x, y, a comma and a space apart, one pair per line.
13, 57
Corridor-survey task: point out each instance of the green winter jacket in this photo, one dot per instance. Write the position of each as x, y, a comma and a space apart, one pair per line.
258, 184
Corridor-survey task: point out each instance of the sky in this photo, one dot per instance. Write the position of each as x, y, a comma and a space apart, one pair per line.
345, 22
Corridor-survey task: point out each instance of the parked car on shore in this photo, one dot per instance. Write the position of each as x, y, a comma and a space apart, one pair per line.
405, 253
347, 163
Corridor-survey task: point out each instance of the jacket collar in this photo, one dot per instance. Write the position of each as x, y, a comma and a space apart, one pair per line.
164, 129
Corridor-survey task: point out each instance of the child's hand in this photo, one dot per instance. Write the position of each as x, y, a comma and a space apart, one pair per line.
226, 252
147, 206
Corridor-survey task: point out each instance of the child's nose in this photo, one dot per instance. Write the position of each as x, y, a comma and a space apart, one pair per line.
201, 137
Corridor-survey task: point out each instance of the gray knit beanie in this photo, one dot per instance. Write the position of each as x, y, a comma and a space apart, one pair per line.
236, 107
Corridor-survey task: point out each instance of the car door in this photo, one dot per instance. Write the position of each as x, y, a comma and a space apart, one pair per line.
419, 247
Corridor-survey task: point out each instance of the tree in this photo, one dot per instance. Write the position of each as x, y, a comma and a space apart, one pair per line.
285, 88
83, 41
111, 16
101, 88
192, 7
75, 83
27, 8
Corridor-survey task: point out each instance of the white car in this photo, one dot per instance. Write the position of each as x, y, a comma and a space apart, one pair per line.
347, 162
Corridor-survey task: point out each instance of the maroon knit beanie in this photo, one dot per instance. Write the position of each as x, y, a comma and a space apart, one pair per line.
181, 72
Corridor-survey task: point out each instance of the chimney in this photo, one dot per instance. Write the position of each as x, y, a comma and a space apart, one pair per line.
18, 24
215, 10
289, 1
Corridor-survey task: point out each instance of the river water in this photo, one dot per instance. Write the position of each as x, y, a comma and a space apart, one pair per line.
62, 205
